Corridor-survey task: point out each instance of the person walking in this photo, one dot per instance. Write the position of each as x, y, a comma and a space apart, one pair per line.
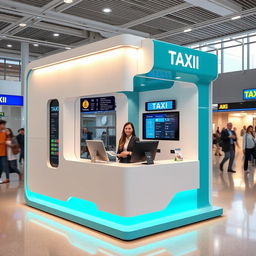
217, 137
249, 143
12, 152
3, 152
243, 131
20, 139
228, 139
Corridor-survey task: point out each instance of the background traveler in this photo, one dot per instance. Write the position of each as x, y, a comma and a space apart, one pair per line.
248, 146
12, 152
228, 139
3, 152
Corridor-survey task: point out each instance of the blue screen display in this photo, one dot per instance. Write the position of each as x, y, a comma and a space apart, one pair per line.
160, 105
161, 126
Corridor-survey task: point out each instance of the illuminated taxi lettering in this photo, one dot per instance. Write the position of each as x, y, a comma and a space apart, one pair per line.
250, 94
183, 59
223, 106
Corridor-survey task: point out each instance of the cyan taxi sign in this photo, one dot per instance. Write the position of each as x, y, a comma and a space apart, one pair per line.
11, 100
160, 105
249, 94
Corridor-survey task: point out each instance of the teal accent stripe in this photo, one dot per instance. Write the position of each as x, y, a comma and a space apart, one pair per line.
203, 143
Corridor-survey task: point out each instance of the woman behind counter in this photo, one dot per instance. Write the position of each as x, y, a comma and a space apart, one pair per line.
126, 143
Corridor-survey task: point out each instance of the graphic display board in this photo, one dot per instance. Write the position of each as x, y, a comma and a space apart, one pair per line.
97, 104
161, 126
54, 133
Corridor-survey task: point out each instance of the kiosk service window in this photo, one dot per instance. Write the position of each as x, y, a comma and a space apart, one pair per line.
98, 122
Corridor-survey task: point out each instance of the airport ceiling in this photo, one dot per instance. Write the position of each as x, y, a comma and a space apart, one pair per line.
50, 25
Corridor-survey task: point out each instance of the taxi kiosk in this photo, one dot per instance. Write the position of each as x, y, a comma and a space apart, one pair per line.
165, 90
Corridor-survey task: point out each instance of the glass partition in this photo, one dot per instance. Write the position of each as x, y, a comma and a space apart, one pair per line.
98, 126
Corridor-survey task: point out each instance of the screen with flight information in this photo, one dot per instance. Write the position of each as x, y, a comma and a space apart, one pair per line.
161, 126
54, 133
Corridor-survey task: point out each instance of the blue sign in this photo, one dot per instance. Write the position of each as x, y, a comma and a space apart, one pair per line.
249, 94
160, 105
12, 100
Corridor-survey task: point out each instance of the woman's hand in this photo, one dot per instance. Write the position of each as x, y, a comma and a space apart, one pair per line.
124, 154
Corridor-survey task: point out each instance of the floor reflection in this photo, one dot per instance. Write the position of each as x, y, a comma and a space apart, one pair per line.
182, 244
25, 231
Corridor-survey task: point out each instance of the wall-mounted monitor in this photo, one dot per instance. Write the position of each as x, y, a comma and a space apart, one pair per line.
161, 126
54, 133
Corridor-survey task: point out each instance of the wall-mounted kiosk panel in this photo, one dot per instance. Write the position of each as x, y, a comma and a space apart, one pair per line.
100, 87
54, 132
161, 126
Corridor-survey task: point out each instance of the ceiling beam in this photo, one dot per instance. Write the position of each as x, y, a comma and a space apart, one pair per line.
64, 19
220, 7
48, 27
204, 24
156, 15
32, 41
64, 6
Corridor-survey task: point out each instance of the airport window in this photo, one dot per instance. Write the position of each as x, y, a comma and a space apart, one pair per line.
10, 69
232, 59
252, 55
234, 53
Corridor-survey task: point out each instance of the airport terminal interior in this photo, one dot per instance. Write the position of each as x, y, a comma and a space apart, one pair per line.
127, 127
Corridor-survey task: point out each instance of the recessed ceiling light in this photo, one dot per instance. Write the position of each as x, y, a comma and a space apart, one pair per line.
67, 48
142, 85
187, 30
22, 24
9, 45
36, 45
68, 1
178, 77
236, 17
56, 34
107, 10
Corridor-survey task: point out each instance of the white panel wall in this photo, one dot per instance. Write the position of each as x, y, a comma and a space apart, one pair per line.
186, 98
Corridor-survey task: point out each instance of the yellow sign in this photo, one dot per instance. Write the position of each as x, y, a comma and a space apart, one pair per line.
85, 104
223, 106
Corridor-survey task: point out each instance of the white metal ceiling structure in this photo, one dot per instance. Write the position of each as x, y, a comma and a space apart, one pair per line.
82, 21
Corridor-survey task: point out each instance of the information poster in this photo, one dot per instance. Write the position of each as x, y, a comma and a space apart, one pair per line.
98, 104
54, 133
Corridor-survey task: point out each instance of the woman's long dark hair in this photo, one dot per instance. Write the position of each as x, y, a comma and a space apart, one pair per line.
123, 136
11, 133
248, 128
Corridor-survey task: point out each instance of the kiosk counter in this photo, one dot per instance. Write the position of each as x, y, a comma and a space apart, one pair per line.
89, 93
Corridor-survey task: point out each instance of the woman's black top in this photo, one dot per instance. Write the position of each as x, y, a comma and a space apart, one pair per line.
129, 148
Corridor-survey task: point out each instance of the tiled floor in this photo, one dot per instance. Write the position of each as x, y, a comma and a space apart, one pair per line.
25, 231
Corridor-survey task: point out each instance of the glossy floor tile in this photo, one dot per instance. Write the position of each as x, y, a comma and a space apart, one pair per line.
25, 231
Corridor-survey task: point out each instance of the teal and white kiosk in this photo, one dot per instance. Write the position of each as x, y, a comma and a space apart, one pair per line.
123, 73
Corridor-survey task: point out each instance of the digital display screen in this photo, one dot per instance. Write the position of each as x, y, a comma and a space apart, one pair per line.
160, 105
161, 126
98, 104
54, 133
